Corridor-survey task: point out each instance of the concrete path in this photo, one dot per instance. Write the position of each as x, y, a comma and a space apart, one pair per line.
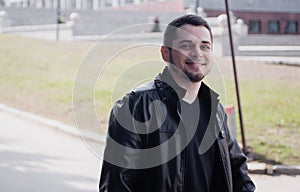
34, 158
279, 183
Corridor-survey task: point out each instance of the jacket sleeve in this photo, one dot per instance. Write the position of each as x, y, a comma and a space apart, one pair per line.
116, 174
238, 160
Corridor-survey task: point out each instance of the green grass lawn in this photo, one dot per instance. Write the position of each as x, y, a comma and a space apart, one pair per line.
271, 111
38, 76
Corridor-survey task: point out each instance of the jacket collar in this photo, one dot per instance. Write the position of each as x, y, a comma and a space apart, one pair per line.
170, 90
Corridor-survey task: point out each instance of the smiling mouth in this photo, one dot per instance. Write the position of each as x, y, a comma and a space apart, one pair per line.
190, 62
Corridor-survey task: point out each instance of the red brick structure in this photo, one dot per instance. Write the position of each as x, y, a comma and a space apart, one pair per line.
261, 21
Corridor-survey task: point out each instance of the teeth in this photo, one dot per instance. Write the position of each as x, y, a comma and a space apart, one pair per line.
197, 63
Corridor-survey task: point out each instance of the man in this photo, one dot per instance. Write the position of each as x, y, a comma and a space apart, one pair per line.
170, 134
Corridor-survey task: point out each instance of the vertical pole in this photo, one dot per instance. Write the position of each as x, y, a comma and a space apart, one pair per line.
236, 79
57, 19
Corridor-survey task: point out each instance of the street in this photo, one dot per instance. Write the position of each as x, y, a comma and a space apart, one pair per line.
34, 157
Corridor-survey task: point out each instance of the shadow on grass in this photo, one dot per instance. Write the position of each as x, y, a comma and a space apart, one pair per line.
254, 156
264, 159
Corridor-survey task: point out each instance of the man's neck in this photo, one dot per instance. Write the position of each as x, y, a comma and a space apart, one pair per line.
192, 88
192, 93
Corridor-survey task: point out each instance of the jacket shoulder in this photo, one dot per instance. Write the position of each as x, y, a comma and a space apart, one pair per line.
144, 88
138, 96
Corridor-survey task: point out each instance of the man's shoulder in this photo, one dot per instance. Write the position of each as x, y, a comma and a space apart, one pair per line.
139, 96
144, 88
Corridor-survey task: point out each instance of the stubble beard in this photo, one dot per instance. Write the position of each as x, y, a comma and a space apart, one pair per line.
195, 78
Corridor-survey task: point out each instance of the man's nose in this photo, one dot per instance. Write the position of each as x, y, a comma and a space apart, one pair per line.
196, 52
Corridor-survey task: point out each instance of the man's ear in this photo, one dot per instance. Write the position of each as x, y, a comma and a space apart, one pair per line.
164, 51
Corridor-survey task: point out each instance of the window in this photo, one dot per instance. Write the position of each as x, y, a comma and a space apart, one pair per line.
292, 27
254, 26
274, 26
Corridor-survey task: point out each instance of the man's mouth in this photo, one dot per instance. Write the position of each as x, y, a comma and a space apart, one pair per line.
191, 62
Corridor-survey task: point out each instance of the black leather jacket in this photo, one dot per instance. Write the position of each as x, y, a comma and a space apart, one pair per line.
132, 171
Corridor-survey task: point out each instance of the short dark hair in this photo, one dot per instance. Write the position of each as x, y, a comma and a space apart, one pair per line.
170, 32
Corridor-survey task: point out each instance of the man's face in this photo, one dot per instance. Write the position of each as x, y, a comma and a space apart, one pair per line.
191, 51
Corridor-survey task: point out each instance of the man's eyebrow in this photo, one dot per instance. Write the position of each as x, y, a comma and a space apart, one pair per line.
185, 41
206, 42
190, 41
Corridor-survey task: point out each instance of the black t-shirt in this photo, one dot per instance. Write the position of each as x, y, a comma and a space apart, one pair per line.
199, 168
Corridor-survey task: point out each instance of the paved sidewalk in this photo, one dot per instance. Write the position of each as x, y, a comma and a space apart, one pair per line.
279, 183
35, 157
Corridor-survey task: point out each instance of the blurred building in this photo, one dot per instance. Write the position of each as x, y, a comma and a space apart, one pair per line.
262, 16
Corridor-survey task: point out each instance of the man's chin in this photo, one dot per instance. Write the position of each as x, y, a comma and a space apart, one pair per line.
195, 78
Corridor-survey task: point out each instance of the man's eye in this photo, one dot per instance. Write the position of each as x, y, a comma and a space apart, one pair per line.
205, 47
186, 46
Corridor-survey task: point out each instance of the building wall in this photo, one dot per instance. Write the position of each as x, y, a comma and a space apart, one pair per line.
253, 12
291, 6
264, 18
263, 11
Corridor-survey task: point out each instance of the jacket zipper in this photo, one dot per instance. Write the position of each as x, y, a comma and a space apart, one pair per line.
223, 167
183, 167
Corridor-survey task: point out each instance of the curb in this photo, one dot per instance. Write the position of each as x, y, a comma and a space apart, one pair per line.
68, 129
292, 61
263, 168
